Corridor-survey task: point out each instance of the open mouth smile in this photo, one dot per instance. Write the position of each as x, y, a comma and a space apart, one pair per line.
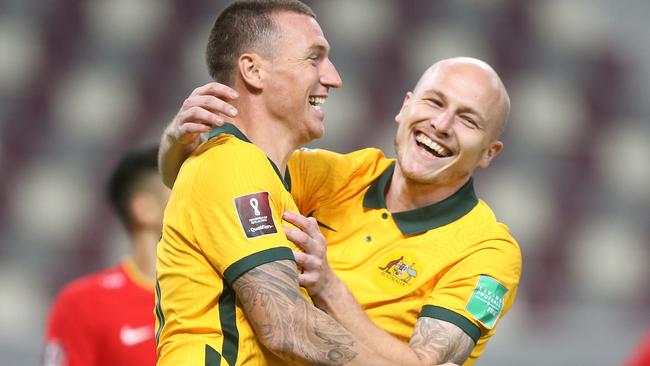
431, 146
316, 102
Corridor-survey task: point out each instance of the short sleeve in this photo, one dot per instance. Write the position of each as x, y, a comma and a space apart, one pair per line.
478, 290
236, 208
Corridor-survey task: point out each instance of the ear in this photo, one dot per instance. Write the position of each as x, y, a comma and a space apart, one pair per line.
250, 66
407, 97
489, 154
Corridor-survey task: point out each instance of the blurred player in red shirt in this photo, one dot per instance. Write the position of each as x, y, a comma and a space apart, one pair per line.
106, 318
640, 356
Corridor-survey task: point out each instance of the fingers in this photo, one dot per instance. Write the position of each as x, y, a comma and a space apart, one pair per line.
205, 108
216, 89
214, 96
310, 268
189, 124
209, 103
300, 257
199, 115
308, 280
307, 224
206, 105
189, 128
301, 239
310, 245
307, 261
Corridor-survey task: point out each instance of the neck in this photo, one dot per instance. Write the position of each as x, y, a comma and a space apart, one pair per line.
143, 251
273, 137
404, 194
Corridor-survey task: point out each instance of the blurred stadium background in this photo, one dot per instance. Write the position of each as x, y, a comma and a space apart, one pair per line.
82, 80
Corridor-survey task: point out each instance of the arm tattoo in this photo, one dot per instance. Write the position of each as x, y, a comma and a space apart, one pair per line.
441, 340
285, 320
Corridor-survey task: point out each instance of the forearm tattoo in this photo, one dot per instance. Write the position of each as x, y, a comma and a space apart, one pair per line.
440, 340
287, 322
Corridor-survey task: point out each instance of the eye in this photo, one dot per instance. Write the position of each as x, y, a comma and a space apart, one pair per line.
314, 58
470, 122
434, 102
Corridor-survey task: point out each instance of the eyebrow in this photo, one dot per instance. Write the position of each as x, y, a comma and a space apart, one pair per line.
463, 109
318, 47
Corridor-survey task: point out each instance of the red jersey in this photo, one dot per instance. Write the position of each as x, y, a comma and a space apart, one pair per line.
103, 319
641, 354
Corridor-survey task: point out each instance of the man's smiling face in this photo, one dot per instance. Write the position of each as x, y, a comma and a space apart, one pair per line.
450, 123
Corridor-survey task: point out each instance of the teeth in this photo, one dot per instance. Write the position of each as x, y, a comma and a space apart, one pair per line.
423, 139
316, 102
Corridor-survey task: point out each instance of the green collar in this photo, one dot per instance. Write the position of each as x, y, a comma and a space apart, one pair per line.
425, 218
231, 129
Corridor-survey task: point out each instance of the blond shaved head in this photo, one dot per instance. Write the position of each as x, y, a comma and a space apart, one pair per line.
476, 75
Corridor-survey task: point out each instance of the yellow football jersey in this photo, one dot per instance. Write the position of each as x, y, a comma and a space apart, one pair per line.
224, 217
451, 260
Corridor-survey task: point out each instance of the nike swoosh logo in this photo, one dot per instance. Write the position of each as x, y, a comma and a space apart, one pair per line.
311, 214
132, 336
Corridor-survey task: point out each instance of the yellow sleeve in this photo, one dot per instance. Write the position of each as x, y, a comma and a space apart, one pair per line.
236, 209
478, 290
318, 176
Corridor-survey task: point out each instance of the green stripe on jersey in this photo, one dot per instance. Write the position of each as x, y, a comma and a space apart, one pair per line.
212, 357
452, 317
159, 313
256, 259
228, 320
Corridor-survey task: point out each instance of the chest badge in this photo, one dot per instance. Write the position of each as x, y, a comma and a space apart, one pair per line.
399, 269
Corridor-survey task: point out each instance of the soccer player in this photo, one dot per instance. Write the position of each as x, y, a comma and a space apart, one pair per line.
425, 258
106, 318
227, 283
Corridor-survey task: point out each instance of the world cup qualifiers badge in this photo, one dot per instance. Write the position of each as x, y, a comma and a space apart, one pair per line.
255, 214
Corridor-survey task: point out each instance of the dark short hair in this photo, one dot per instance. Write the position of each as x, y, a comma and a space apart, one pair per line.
245, 26
133, 167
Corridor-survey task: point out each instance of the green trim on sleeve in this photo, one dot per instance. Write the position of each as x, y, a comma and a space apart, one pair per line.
256, 259
436, 312
212, 357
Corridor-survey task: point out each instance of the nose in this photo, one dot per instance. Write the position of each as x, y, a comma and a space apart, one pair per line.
442, 123
329, 76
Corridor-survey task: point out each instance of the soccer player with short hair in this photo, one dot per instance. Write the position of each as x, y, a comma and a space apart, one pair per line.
106, 318
227, 283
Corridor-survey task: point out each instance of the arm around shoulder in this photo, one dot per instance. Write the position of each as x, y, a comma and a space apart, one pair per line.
203, 109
